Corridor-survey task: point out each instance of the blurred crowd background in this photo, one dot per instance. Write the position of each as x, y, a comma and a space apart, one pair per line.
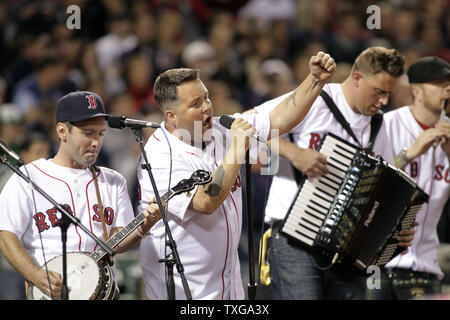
247, 52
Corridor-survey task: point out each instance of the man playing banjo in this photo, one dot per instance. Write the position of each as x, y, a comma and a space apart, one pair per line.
30, 235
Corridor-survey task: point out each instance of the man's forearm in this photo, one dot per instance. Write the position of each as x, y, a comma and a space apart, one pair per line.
286, 149
210, 196
296, 106
16, 255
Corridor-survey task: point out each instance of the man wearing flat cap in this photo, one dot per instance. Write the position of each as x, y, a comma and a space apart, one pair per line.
416, 139
30, 235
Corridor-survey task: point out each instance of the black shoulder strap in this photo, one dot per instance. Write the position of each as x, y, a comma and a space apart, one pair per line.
338, 115
375, 125
298, 175
375, 122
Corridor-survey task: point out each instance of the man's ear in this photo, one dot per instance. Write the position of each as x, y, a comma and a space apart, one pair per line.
170, 116
416, 92
62, 130
356, 77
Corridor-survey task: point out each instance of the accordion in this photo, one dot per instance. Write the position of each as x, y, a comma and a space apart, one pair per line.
354, 212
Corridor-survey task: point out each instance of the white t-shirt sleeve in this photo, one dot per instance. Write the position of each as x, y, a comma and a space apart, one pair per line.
16, 207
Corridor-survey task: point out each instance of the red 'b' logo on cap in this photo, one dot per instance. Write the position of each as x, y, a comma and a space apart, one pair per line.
92, 101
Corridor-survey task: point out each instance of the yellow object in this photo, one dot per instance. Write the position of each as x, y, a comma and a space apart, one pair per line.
264, 275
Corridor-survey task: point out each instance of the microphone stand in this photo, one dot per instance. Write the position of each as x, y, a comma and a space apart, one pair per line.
173, 258
252, 285
64, 223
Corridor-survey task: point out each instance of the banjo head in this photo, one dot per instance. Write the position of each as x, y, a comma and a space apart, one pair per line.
83, 276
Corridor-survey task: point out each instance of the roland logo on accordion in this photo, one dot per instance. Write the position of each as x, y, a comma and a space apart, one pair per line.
371, 214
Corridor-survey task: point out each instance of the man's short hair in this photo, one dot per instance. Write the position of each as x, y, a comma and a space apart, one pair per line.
165, 88
374, 60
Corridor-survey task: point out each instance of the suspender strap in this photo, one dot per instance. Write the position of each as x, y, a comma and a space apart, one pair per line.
338, 115
375, 122
298, 175
375, 125
102, 217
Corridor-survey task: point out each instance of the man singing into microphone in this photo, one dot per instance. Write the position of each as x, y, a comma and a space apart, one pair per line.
206, 224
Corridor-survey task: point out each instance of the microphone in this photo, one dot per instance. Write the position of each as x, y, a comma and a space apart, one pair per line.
120, 122
227, 121
10, 153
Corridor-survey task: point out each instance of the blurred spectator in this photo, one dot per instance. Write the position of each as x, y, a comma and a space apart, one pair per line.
170, 40
12, 131
347, 41
431, 38
28, 52
200, 55
89, 67
343, 69
229, 63
145, 30
300, 67
405, 22
35, 146
275, 79
221, 99
111, 47
138, 76
268, 10
43, 84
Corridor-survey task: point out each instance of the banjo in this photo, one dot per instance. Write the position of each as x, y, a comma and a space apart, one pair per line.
89, 275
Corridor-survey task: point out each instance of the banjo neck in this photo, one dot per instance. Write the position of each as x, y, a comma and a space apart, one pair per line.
114, 241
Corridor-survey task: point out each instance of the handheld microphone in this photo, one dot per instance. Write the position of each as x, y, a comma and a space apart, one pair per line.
227, 121
120, 122
9, 152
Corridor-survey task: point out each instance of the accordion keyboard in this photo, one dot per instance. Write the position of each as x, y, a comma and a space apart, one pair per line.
317, 195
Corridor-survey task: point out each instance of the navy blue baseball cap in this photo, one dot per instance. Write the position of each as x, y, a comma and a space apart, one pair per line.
79, 105
428, 69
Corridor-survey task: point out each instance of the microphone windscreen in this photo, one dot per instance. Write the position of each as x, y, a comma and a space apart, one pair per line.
226, 121
115, 122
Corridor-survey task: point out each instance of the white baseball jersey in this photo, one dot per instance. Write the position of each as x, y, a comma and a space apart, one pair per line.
307, 134
431, 172
207, 244
27, 214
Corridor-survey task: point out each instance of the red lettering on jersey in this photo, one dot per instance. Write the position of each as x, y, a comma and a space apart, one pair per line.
438, 176
51, 213
92, 101
314, 141
39, 219
108, 213
413, 169
237, 184
447, 178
